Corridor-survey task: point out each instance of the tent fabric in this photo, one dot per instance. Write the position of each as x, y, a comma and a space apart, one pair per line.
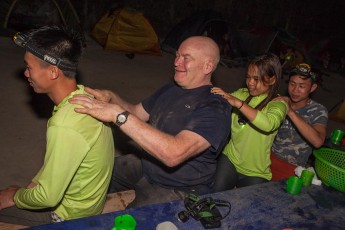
194, 25
339, 115
63, 8
242, 45
257, 41
252, 43
211, 24
207, 23
126, 30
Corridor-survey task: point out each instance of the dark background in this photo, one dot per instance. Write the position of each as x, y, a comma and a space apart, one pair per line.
314, 23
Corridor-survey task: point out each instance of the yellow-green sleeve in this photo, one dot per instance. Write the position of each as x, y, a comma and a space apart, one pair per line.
271, 118
61, 162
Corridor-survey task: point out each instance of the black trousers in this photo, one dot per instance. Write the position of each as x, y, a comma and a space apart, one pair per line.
228, 178
14, 215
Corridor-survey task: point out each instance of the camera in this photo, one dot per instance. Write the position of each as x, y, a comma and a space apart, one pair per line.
203, 210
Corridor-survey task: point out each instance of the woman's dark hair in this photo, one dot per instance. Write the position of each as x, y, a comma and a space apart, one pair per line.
270, 70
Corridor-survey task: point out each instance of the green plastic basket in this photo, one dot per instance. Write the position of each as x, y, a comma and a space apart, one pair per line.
330, 167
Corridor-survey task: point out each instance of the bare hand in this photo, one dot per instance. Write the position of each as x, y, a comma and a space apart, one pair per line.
231, 99
282, 98
7, 195
98, 109
286, 99
31, 185
101, 95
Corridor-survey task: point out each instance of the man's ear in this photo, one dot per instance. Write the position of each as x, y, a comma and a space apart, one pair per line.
54, 72
313, 87
208, 67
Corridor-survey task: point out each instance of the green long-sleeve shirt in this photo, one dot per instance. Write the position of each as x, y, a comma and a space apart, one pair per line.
74, 178
250, 144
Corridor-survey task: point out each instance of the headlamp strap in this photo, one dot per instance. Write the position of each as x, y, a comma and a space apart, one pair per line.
22, 40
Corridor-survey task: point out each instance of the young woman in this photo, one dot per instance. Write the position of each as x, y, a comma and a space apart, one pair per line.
254, 124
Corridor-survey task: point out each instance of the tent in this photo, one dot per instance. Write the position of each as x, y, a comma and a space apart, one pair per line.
237, 46
339, 114
29, 14
207, 23
126, 30
256, 41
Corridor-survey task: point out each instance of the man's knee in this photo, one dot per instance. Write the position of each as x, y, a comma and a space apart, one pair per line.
148, 193
127, 171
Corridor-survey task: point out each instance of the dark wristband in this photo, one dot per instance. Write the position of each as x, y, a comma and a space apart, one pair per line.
241, 105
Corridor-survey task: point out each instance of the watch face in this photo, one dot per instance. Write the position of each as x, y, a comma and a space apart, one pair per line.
122, 118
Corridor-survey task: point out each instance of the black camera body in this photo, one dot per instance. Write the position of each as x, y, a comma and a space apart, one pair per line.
203, 210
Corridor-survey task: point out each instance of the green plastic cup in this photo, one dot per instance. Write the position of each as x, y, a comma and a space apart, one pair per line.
124, 222
307, 177
336, 136
294, 185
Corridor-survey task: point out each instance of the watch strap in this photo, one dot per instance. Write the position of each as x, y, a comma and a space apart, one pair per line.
121, 118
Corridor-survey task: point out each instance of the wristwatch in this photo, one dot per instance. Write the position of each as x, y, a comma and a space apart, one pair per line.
121, 118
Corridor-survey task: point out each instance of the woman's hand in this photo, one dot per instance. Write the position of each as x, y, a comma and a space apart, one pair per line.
233, 101
287, 101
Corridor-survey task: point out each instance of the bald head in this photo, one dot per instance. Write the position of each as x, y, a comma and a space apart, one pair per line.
207, 47
196, 59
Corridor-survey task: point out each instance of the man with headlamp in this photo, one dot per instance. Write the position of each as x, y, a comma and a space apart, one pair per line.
73, 181
304, 127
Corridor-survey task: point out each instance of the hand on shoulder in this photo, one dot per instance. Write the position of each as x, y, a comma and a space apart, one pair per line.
99, 94
282, 98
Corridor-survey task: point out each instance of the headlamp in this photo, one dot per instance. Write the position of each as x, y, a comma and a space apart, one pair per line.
304, 70
20, 39
23, 40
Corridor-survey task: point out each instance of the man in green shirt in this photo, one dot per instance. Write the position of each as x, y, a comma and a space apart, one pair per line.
75, 176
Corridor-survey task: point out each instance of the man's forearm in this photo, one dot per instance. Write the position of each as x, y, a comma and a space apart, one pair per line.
315, 136
171, 150
137, 109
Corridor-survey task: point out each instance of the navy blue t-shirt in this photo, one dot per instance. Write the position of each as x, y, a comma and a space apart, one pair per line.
173, 109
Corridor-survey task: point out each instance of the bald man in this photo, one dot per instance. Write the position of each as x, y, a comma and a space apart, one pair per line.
181, 129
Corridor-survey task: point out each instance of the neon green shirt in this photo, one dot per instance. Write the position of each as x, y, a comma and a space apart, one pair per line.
75, 176
250, 144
